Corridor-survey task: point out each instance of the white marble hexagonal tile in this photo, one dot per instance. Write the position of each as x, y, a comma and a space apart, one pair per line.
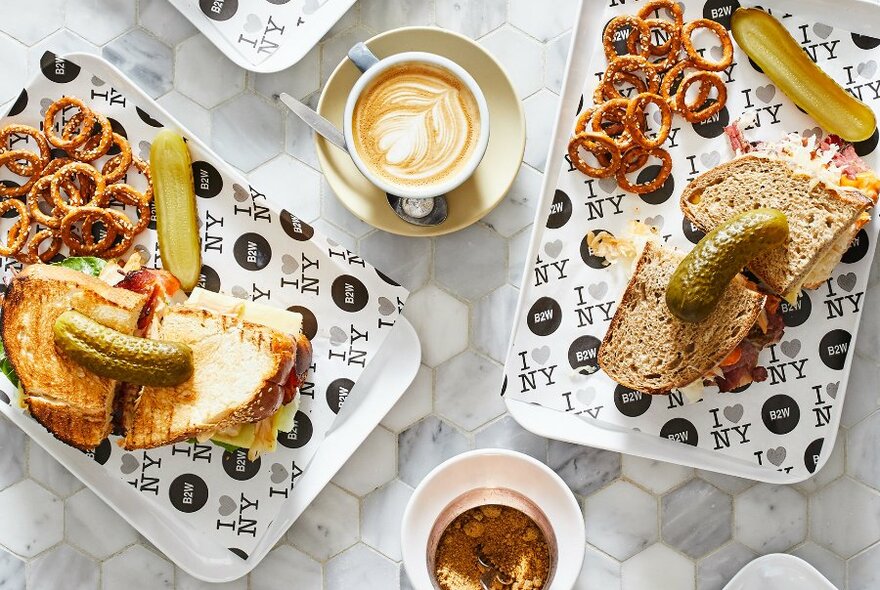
32, 517
659, 568
621, 520
404, 259
61, 42
24, 23
864, 570
383, 514
506, 433
94, 527
441, 322
336, 234
43, 468
828, 564
415, 403
334, 50
492, 321
351, 18
300, 141
831, 470
371, 465
521, 57
599, 572
286, 563
727, 483
426, 444
540, 110
12, 459
770, 518
329, 525
361, 567
99, 21
164, 21
584, 469
696, 518
291, 184
862, 454
336, 213
383, 15
657, 477
144, 59
15, 72
198, 55
472, 19
862, 394
540, 21
184, 581
153, 572
12, 571
247, 131
467, 390
845, 517
300, 80
63, 567
192, 115
470, 262
714, 571
517, 210
555, 58
517, 250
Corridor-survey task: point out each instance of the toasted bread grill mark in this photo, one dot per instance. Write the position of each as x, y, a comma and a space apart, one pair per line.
238, 368
818, 215
648, 349
73, 403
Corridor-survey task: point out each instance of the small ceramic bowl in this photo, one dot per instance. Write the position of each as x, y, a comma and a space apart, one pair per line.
493, 476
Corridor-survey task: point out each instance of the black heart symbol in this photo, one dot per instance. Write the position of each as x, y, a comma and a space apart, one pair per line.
776, 456
831, 389
847, 281
790, 348
734, 413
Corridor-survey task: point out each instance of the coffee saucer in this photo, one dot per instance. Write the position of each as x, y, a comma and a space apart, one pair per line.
493, 177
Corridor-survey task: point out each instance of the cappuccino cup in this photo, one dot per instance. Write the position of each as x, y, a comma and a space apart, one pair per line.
416, 124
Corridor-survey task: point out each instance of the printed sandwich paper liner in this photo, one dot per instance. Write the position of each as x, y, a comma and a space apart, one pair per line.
257, 250
570, 295
256, 30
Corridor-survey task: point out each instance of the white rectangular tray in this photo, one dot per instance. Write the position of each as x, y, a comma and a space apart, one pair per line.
306, 23
378, 388
861, 16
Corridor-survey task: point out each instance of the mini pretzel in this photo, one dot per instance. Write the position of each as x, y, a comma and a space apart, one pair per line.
602, 147
670, 49
637, 41
634, 114
602, 92
32, 169
33, 246
699, 61
96, 198
696, 112
658, 181
144, 168
583, 120
96, 145
42, 146
614, 112
129, 196
115, 168
41, 192
629, 64
82, 246
18, 233
655, 6
632, 159
73, 140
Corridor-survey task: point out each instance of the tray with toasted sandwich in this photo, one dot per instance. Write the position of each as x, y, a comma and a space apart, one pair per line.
195, 376
702, 248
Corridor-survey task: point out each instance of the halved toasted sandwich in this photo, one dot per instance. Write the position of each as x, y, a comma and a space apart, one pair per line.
824, 189
648, 349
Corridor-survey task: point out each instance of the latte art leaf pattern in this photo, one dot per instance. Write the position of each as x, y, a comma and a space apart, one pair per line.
416, 125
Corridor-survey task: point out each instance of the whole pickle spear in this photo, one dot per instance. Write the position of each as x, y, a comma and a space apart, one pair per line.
806, 84
176, 215
110, 353
701, 278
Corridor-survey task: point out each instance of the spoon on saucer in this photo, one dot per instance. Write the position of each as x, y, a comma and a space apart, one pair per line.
425, 212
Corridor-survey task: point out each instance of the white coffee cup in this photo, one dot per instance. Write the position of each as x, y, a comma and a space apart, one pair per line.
372, 67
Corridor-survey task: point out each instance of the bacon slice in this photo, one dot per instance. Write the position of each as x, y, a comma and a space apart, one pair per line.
159, 284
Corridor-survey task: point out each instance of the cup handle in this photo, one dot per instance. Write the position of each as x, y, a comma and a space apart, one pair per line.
362, 57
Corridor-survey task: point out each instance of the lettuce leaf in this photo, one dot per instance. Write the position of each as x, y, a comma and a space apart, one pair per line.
224, 446
6, 367
89, 265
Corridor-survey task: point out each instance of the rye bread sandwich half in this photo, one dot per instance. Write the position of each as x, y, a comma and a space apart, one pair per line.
648, 349
824, 189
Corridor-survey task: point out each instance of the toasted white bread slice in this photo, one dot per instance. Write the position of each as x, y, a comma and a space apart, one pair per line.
72, 402
819, 216
650, 350
240, 368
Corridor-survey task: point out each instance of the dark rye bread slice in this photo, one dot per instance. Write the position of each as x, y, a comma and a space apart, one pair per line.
818, 216
648, 349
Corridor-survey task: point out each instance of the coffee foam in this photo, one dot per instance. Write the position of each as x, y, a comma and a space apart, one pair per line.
416, 124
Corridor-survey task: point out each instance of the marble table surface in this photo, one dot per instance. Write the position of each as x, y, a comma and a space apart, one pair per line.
649, 525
